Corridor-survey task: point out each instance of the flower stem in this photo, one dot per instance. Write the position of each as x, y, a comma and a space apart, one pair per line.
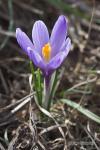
46, 104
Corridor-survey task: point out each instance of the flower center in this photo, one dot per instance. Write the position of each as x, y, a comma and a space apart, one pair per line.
46, 52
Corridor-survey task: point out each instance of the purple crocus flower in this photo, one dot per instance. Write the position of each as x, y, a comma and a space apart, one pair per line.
46, 52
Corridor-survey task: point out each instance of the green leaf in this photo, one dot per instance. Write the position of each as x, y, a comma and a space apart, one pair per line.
84, 111
36, 77
39, 85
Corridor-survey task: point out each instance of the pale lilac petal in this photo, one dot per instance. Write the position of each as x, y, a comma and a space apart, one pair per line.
40, 36
66, 45
23, 40
58, 35
56, 61
36, 58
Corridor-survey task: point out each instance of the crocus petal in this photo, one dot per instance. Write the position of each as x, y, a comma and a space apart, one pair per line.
40, 35
36, 58
23, 40
58, 34
66, 45
56, 61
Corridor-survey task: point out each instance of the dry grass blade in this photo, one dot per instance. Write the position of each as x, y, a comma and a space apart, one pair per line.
28, 8
8, 112
7, 33
1, 147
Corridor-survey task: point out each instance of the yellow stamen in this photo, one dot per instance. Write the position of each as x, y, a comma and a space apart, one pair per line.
46, 52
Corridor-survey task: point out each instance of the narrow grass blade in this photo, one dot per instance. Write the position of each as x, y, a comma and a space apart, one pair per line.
68, 8
84, 111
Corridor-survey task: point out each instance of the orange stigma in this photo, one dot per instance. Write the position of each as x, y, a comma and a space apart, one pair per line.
46, 52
